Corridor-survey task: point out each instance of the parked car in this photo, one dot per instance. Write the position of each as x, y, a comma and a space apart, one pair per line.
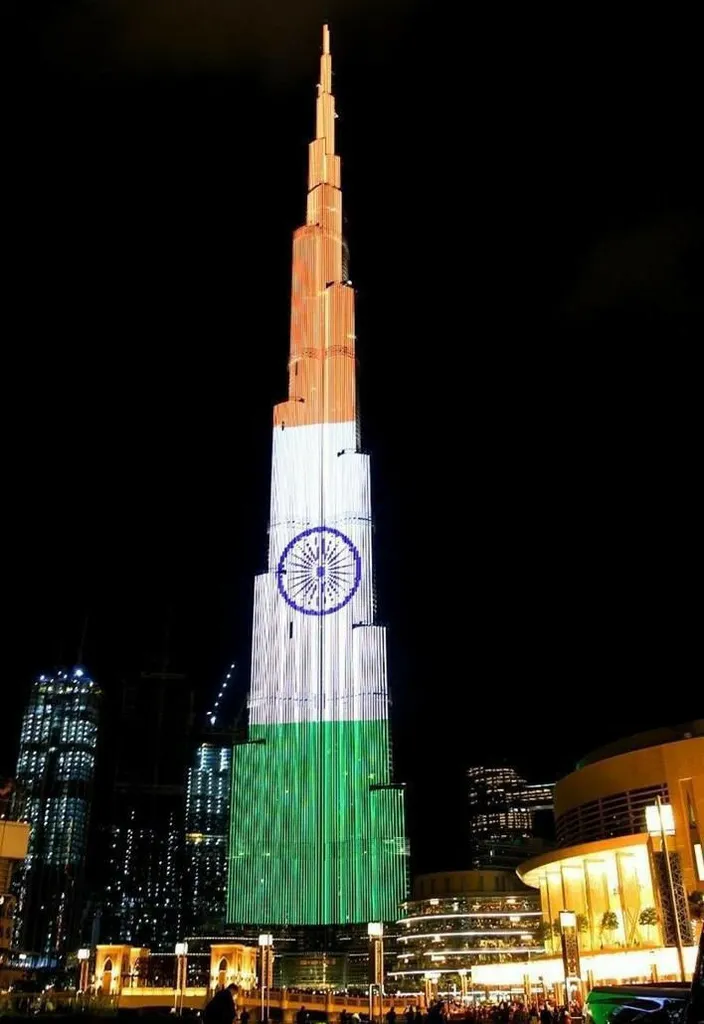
674, 1003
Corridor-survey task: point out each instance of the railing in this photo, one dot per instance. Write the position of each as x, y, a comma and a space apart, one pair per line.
26, 1004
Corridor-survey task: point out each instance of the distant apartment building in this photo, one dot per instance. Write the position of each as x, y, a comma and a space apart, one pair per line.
509, 818
144, 826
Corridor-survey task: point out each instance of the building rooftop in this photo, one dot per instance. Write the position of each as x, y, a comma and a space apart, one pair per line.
641, 740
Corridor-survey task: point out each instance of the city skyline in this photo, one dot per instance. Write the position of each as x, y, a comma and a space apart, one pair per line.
553, 453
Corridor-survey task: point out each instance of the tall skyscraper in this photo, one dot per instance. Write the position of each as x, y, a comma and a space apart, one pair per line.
208, 793
145, 832
55, 773
317, 824
504, 815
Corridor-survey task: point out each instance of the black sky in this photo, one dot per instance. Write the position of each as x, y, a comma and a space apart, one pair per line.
523, 195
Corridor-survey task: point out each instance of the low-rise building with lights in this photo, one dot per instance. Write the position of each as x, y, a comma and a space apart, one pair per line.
14, 843
628, 865
458, 920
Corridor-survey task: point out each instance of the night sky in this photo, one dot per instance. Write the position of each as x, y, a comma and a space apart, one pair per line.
523, 201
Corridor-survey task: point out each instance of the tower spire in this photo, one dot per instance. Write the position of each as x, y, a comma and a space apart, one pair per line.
322, 365
324, 166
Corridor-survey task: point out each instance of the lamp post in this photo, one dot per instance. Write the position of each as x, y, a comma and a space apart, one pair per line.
375, 931
660, 821
570, 952
181, 951
266, 945
83, 959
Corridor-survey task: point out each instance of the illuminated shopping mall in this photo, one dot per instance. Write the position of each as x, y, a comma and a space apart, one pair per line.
627, 875
457, 920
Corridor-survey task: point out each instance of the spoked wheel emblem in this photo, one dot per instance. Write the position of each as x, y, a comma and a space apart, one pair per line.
319, 571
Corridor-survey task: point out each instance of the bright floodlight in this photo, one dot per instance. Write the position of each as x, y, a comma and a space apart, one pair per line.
659, 818
568, 919
181, 948
83, 954
266, 940
375, 929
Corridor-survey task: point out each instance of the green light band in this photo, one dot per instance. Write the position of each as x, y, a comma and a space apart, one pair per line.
311, 842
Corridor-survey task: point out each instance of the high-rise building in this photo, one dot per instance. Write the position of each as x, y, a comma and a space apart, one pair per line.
55, 774
208, 792
146, 828
317, 823
507, 815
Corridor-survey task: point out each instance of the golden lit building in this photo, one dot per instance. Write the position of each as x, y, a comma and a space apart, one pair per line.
14, 841
629, 861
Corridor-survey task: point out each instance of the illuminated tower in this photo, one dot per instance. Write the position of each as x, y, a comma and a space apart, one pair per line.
317, 825
55, 773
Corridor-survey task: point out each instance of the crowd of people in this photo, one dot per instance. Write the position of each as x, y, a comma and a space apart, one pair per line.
222, 1009
441, 1011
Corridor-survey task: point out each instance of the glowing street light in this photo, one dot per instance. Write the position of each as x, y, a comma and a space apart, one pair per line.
181, 950
83, 958
375, 931
660, 821
266, 944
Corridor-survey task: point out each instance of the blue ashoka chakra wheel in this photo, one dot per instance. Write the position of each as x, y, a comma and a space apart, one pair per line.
319, 571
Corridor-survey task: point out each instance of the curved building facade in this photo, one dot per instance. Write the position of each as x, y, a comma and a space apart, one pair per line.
611, 867
477, 917
629, 863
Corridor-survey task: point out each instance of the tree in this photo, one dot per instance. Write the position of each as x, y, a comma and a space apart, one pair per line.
648, 918
543, 932
696, 904
582, 923
609, 921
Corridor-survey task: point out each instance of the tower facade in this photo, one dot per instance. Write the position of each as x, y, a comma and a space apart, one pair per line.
55, 775
208, 789
317, 824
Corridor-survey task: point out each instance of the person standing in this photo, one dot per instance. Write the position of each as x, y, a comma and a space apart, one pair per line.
221, 1009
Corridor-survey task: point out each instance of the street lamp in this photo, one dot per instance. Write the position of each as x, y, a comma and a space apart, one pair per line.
266, 944
375, 931
83, 959
570, 951
181, 950
660, 821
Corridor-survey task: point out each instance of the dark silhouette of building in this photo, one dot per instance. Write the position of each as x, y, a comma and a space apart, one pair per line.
509, 818
55, 776
146, 823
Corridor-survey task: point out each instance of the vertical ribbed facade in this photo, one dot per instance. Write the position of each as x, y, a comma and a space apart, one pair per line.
317, 826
